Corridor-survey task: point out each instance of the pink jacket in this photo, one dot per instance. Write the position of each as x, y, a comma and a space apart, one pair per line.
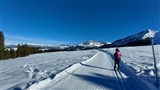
119, 54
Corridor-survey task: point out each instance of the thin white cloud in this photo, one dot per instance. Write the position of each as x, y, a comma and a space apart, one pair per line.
17, 37
12, 39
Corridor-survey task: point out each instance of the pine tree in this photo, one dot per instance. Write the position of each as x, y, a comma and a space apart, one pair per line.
6, 54
1, 45
2, 51
26, 50
12, 53
23, 50
19, 51
1, 40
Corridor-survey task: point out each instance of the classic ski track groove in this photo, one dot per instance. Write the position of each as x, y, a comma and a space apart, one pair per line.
123, 80
119, 77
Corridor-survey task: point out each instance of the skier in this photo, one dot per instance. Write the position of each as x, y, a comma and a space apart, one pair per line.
117, 56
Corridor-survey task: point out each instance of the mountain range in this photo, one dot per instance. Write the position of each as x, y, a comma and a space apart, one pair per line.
138, 39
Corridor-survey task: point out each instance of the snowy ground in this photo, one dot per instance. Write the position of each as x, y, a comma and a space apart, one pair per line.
90, 69
25, 71
139, 60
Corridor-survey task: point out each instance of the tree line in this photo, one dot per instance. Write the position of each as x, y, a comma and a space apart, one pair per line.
25, 50
21, 51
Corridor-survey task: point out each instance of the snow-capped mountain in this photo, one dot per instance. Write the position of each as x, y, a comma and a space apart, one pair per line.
141, 38
10, 46
51, 47
80, 46
88, 45
92, 43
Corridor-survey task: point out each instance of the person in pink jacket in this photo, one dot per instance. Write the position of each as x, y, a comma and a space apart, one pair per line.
117, 56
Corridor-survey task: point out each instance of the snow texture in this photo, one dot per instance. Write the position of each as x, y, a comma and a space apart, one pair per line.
88, 69
139, 60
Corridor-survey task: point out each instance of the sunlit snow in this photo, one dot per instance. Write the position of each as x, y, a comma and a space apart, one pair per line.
49, 70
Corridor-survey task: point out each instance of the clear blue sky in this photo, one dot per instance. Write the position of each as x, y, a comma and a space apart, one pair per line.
72, 22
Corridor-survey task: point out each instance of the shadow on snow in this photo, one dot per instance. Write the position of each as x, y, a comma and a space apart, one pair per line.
95, 66
133, 82
107, 82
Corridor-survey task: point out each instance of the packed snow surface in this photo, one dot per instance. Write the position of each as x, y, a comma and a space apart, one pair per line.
139, 60
24, 71
88, 69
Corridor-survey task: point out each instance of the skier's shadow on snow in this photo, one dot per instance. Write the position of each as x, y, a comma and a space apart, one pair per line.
130, 75
105, 81
95, 66
17, 88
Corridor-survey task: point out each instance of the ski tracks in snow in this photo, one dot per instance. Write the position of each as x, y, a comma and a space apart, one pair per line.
97, 73
90, 74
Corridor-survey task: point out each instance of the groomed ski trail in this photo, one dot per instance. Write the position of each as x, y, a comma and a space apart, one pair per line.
95, 74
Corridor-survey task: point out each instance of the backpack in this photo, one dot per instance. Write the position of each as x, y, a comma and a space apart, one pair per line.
118, 54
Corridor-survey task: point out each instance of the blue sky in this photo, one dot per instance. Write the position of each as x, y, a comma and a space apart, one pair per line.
75, 21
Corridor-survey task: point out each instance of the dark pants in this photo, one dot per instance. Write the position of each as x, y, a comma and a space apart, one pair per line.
117, 62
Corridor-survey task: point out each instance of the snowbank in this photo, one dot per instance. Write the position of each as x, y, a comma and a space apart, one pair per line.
21, 73
40, 69
140, 61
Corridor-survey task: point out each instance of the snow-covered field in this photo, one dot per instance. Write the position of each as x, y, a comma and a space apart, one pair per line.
24, 71
139, 60
38, 70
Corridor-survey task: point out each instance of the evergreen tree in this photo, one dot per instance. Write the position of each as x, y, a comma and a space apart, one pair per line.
6, 54
1, 45
1, 40
18, 51
2, 51
27, 50
12, 53
23, 50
